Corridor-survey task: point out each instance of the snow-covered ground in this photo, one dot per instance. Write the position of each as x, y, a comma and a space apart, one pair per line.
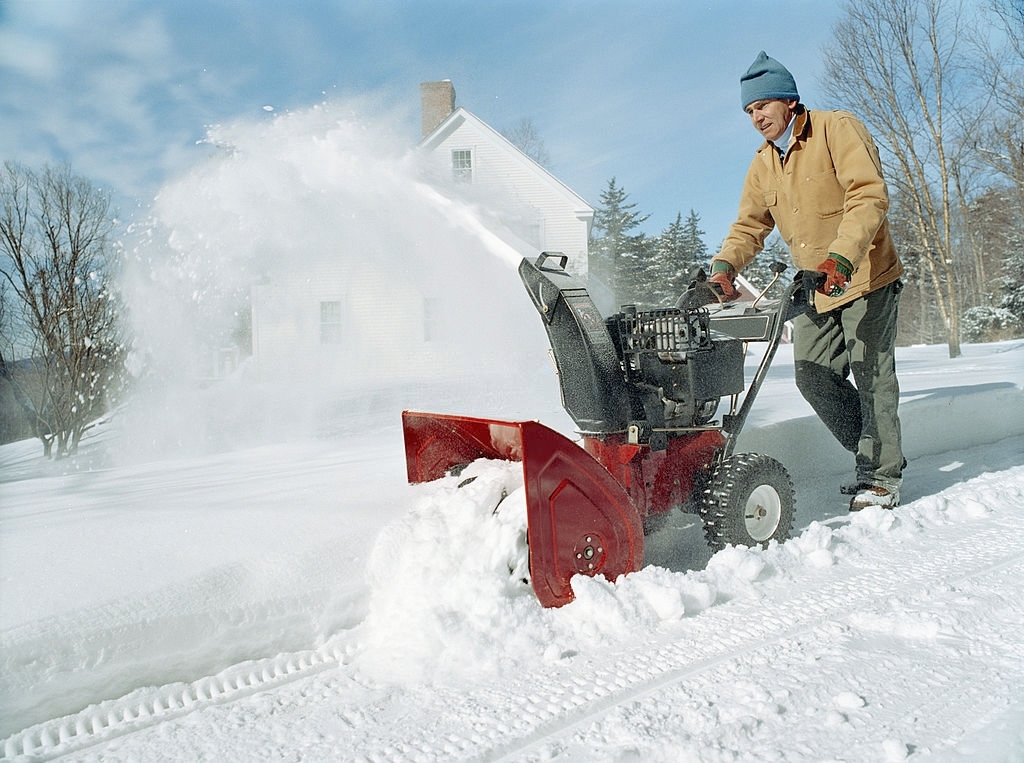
298, 600
240, 572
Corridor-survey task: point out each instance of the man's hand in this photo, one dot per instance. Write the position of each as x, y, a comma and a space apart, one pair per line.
722, 275
838, 271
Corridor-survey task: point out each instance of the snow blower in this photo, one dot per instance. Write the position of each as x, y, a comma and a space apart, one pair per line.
644, 388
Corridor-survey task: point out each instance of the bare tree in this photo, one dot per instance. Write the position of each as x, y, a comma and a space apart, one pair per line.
524, 136
1001, 52
898, 65
58, 260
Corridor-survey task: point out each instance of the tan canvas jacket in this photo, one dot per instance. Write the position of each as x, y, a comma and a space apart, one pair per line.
828, 196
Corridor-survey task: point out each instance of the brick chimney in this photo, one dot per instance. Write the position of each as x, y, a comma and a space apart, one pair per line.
438, 100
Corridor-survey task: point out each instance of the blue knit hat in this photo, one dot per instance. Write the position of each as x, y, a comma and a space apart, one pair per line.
766, 78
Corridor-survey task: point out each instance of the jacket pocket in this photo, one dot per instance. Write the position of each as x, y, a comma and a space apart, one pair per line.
828, 195
771, 198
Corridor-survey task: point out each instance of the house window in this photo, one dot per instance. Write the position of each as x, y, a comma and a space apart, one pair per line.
462, 165
330, 323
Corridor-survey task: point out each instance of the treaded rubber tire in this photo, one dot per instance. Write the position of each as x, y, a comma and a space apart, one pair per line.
748, 501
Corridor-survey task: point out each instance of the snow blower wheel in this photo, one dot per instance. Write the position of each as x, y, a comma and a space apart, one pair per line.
748, 502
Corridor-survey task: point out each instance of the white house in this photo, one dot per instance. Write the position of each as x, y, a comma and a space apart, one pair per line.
479, 163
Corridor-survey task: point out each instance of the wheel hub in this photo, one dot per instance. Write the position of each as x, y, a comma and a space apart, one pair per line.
763, 512
589, 553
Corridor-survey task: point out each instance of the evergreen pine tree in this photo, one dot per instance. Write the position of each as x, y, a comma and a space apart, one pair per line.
1013, 284
662, 281
617, 255
676, 254
695, 251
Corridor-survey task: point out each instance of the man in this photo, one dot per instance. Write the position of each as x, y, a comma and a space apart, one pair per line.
818, 178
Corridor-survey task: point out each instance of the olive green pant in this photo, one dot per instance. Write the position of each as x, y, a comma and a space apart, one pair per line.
857, 338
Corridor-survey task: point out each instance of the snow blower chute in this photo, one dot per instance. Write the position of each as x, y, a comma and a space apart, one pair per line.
644, 388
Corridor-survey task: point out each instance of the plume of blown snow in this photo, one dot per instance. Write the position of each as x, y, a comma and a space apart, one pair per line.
275, 197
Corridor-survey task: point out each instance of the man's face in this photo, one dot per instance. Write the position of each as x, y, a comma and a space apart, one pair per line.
770, 117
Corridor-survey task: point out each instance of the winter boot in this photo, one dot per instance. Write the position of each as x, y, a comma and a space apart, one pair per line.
873, 495
854, 486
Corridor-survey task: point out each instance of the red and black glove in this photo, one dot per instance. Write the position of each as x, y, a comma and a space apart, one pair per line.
838, 271
722, 275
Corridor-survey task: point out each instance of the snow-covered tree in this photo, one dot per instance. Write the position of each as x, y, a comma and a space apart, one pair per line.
617, 253
990, 324
1013, 284
675, 255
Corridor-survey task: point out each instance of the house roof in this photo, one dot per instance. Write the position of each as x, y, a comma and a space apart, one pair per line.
461, 116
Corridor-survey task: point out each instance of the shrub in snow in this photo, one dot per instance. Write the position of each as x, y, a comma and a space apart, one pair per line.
990, 324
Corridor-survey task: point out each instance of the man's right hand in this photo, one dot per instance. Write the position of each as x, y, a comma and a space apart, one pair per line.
722, 276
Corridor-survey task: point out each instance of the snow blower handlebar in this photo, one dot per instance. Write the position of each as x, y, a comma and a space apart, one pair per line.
795, 301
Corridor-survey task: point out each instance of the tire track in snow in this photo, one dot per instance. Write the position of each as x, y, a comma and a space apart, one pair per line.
149, 706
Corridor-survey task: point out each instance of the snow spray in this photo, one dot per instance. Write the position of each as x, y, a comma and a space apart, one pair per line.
302, 209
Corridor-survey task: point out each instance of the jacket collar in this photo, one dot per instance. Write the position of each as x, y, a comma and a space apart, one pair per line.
800, 122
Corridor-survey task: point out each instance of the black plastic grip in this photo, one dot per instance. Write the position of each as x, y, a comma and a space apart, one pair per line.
542, 259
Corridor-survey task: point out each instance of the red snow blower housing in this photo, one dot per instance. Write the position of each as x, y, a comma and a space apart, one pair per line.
644, 388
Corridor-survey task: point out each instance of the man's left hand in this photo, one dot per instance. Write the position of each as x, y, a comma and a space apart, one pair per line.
838, 270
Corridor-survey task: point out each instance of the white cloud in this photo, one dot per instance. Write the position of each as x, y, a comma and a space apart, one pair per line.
27, 56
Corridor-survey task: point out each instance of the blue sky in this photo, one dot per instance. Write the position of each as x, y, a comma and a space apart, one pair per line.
645, 91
